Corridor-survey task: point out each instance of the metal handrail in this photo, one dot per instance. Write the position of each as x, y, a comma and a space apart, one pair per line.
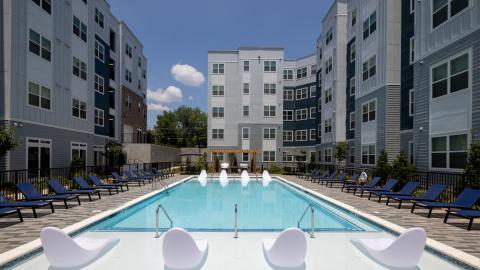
157, 235
236, 222
312, 222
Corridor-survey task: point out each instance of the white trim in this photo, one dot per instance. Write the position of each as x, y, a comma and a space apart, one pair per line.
38, 145
411, 102
313, 108
246, 128
287, 131
293, 116
361, 109
350, 122
411, 49
301, 130
81, 146
432, 29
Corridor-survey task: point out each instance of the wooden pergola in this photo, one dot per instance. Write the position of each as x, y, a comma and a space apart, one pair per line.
238, 151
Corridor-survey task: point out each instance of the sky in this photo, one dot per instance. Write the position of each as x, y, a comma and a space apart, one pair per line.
177, 34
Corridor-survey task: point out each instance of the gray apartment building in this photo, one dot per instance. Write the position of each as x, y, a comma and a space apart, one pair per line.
61, 86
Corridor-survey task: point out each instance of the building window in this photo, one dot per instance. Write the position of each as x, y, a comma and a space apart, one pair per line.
354, 17
39, 45
352, 86
246, 111
352, 155
245, 157
287, 95
412, 50
369, 110
329, 36
79, 29
128, 102
328, 95
99, 51
301, 114
410, 152
288, 74
269, 66
246, 66
451, 76
128, 75
246, 88
370, 68
269, 111
449, 152
301, 73
128, 50
328, 125
370, 25
288, 115
79, 109
301, 93
99, 117
218, 90
319, 131
220, 157
313, 134
99, 17
79, 150
411, 102
38, 156
352, 121
368, 154
412, 6
98, 155
313, 70
245, 133
268, 156
269, 89
353, 52
287, 158
441, 8
327, 155
218, 112
39, 96
269, 134
301, 135
313, 91
328, 65
313, 112
288, 136
79, 68
45, 4
217, 134
218, 68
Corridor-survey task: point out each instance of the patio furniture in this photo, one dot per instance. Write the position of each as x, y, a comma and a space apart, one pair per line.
181, 251
32, 194
431, 194
60, 189
99, 183
389, 185
288, 250
131, 177
468, 214
121, 180
140, 174
64, 252
465, 200
403, 252
341, 179
373, 183
11, 211
317, 175
85, 186
5, 203
166, 172
322, 179
406, 190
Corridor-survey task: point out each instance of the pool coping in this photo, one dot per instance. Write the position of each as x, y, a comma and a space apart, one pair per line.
19, 252
438, 247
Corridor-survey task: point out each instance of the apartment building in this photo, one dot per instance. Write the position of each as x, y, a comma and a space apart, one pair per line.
133, 79
300, 109
332, 52
245, 102
60, 81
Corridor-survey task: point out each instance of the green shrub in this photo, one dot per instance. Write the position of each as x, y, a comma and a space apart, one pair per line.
383, 168
472, 168
77, 165
7, 140
275, 169
402, 169
216, 164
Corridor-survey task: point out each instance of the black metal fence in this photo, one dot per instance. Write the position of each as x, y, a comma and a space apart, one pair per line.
39, 177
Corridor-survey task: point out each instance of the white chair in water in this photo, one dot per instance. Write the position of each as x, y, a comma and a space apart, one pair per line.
202, 178
223, 178
181, 251
245, 178
64, 252
402, 252
266, 179
288, 250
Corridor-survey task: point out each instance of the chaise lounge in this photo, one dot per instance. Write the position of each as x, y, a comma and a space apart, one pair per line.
431, 195
5, 203
60, 189
99, 183
85, 186
389, 185
406, 190
32, 194
468, 214
11, 211
465, 200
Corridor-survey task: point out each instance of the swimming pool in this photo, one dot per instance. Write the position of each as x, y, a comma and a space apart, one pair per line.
211, 208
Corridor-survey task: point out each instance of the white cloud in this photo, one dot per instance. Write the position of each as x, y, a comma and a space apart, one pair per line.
187, 74
157, 107
169, 95
190, 98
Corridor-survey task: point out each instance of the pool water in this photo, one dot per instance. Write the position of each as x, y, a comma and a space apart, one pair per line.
211, 208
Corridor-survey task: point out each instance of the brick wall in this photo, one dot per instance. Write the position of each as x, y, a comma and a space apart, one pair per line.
132, 114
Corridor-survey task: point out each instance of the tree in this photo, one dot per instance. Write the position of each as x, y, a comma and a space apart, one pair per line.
7, 140
472, 168
341, 152
216, 164
184, 127
383, 167
402, 169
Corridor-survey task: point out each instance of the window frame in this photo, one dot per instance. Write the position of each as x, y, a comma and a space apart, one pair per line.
288, 74
300, 112
216, 134
270, 67
288, 119
448, 61
79, 108
286, 137
313, 134
314, 109
246, 66
40, 96
102, 117
269, 156
269, 88
247, 133
218, 90
327, 125
267, 133
99, 51
448, 151
303, 93
354, 87
411, 102
300, 133
351, 120
270, 111
290, 97
314, 92
218, 112
218, 69
369, 110
330, 155
246, 111
246, 88
369, 154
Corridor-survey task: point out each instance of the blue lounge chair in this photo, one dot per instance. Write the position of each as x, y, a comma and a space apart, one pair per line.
11, 211
161, 174
321, 180
133, 177
5, 203
142, 173
431, 195
60, 189
373, 183
156, 175
118, 179
32, 194
389, 185
340, 180
167, 173
99, 183
468, 214
85, 186
407, 189
465, 200
314, 172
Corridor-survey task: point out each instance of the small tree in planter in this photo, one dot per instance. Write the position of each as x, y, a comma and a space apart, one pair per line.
402, 169
383, 168
7, 141
472, 168
216, 164
341, 152
77, 165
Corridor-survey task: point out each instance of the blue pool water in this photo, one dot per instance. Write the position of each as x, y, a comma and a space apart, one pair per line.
211, 208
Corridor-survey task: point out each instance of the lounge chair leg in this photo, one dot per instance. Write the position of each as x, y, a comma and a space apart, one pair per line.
446, 216
20, 215
51, 207
99, 196
369, 195
388, 200
361, 195
470, 224
430, 212
413, 207
116, 189
66, 204
78, 199
34, 212
380, 198
400, 204
110, 191
89, 197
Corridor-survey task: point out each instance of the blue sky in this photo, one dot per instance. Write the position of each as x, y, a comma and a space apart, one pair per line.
182, 31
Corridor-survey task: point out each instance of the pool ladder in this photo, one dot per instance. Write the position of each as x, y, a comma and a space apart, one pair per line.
235, 235
157, 224
312, 222
159, 180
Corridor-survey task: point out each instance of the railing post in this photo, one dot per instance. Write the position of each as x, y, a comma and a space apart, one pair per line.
236, 223
312, 234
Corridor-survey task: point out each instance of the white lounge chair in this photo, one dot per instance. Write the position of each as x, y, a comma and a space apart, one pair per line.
202, 178
245, 178
288, 250
223, 178
402, 252
181, 251
64, 252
